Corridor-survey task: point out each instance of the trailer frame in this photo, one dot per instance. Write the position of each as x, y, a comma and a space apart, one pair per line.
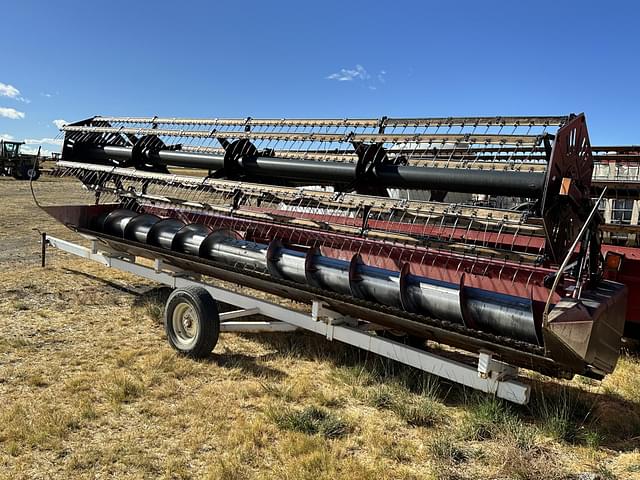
487, 375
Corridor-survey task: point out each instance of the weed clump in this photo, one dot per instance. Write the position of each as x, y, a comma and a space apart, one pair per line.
564, 415
311, 421
422, 412
151, 304
445, 449
417, 410
123, 388
487, 417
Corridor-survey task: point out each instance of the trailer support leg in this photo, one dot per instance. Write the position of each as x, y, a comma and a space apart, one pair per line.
43, 253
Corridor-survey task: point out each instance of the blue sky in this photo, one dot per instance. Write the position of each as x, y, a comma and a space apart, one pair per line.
69, 60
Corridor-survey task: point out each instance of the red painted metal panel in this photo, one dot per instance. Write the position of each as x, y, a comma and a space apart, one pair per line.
629, 274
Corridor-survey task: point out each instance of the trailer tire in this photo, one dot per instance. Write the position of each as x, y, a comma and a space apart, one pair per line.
191, 321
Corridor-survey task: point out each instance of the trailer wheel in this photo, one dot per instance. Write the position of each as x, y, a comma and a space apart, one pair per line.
191, 321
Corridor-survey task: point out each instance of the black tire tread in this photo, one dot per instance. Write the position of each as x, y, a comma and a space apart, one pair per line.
207, 310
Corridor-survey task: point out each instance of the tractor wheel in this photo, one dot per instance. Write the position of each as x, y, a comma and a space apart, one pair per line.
191, 321
26, 171
21, 171
33, 173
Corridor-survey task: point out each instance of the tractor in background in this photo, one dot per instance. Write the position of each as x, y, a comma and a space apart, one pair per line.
20, 166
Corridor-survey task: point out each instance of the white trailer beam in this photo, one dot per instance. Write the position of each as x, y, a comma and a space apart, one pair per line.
489, 376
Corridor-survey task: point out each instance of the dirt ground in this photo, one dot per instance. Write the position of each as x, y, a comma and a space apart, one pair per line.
89, 388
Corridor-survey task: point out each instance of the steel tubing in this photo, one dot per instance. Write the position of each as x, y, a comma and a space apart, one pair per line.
464, 180
473, 307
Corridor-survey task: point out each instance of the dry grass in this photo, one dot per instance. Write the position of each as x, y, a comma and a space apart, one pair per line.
90, 389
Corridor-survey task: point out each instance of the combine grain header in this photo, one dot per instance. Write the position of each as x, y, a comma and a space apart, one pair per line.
325, 210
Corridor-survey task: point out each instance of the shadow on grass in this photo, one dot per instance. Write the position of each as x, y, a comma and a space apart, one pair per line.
122, 287
565, 412
562, 411
247, 364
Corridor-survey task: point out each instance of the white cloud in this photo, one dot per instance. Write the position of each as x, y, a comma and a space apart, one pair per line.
31, 146
11, 113
10, 91
59, 123
359, 73
46, 141
34, 150
349, 74
34, 141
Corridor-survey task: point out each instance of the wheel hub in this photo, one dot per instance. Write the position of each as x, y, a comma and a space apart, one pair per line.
185, 324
